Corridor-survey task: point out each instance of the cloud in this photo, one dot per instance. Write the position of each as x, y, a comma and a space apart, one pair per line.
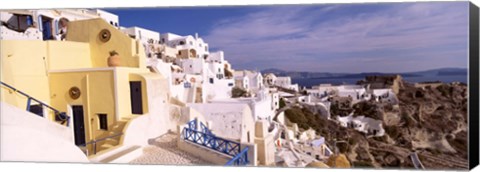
346, 37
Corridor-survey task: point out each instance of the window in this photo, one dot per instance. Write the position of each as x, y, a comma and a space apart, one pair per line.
182, 43
163, 40
191, 43
36, 109
230, 84
211, 80
102, 120
187, 85
179, 52
111, 22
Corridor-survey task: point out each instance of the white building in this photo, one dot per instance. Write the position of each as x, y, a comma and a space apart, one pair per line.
281, 81
231, 121
249, 80
195, 44
263, 106
147, 37
357, 92
363, 124
269, 79
45, 24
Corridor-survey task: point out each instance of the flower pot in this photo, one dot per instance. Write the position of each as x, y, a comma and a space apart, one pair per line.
114, 61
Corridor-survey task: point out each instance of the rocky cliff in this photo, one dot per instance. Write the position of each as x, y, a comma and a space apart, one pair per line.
430, 120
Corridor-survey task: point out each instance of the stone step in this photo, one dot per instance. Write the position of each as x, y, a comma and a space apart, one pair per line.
125, 155
112, 141
105, 146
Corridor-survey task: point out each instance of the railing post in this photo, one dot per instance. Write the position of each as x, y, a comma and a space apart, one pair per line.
68, 121
204, 139
28, 103
94, 147
194, 137
185, 133
196, 124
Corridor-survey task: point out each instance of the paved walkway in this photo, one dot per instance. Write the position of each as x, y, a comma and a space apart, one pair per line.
164, 151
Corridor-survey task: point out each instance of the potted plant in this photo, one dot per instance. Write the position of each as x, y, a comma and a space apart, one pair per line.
114, 59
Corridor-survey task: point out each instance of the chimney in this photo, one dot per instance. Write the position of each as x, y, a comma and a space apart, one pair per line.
196, 35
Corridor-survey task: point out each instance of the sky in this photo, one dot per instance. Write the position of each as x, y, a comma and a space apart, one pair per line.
368, 37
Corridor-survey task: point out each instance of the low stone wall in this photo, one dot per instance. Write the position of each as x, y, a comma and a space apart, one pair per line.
203, 152
210, 155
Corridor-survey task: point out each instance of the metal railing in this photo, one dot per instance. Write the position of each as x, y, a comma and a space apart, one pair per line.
94, 142
203, 128
61, 116
210, 141
206, 138
239, 159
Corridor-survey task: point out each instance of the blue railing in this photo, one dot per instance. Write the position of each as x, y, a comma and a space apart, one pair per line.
240, 159
203, 128
218, 144
61, 116
206, 138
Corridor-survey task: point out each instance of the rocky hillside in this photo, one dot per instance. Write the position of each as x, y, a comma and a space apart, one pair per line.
430, 120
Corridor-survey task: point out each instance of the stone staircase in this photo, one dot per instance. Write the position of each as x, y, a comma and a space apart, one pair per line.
111, 151
114, 132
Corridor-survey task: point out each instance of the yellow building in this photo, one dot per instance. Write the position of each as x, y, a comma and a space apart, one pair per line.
73, 76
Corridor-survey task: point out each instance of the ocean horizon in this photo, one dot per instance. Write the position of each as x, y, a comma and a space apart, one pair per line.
309, 82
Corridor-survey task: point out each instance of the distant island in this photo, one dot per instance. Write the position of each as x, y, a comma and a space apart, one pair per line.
313, 78
317, 75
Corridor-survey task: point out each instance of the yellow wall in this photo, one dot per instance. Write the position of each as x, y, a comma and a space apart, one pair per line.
138, 77
23, 66
131, 52
33, 67
123, 78
97, 96
68, 55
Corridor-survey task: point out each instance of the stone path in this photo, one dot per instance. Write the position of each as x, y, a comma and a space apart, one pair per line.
164, 151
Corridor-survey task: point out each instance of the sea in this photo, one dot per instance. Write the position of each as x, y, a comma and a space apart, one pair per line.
309, 82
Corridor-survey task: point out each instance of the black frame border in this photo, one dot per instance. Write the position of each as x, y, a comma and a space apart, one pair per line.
473, 85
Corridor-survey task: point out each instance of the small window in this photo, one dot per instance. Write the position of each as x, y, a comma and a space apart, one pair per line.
36, 109
211, 80
191, 43
182, 43
102, 120
111, 22
230, 84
